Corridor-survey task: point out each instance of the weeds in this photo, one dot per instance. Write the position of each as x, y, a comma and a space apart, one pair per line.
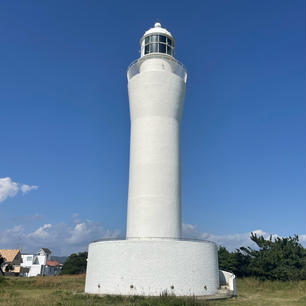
68, 290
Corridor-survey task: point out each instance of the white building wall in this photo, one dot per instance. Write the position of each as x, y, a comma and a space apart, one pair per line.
35, 270
35, 263
27, 260
42, 259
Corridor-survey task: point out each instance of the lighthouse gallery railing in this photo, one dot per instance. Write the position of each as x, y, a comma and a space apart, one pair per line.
179, 68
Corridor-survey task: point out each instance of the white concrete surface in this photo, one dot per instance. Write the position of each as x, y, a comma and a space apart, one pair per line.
156, 98
151, 267
228, 279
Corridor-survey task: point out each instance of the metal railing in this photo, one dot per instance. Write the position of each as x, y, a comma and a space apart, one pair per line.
179, 68
151, 238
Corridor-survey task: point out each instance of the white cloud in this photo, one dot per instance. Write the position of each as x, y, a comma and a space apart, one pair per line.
26, 188
41, 232
60, 238
64, 239
88, 230
9, 189
230, 241
302, 238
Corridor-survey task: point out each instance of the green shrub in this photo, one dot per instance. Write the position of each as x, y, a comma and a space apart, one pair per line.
278, 259
75, 264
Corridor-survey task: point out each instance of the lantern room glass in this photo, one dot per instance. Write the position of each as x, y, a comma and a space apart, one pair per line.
158, 44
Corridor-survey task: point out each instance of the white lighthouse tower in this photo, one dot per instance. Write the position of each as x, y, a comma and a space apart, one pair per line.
156, 84
153, 258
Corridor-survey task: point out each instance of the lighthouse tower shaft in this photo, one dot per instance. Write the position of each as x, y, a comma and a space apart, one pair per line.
156, 97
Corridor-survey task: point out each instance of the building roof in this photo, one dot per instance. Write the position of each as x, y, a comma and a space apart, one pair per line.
9, 255
53, 263
47, 251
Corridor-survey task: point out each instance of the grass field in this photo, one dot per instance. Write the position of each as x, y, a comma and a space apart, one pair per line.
68, 290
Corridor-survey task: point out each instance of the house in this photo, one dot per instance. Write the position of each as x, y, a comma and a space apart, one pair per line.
44, 253
12, 262
53, 267
40, 263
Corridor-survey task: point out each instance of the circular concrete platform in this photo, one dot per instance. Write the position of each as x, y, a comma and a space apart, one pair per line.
152, 267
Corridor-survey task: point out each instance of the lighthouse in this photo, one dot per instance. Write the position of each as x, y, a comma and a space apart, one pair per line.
154, 258
156, 86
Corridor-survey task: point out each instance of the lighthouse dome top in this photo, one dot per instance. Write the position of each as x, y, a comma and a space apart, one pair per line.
157, 29
157, 40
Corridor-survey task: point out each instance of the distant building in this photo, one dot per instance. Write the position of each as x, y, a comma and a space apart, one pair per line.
40, 263
12, 262
53, 267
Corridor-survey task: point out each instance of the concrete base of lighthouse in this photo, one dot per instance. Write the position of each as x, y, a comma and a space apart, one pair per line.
152, 267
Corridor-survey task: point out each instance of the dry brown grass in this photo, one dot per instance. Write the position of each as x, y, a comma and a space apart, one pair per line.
68, 290
69, 282
252, 292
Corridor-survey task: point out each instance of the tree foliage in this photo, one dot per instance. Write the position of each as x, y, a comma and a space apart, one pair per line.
2, 260
274, 259
9, 267
235, 262
75, 264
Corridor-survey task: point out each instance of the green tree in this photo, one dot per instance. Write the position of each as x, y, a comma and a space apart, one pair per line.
278, 259
75, 264
242, 264
227, 260
235, 262
274, 259
9, 267
2, 261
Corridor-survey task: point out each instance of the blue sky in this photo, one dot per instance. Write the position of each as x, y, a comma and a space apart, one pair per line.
65, 120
